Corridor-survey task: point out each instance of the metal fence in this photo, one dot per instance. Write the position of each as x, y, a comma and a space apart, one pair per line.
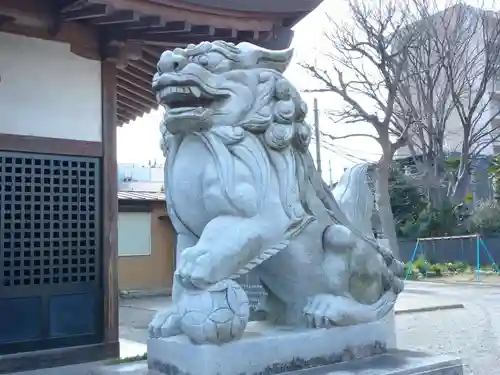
452, 250
435, 251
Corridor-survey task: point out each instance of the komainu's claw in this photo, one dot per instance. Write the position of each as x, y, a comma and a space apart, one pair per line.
165, 324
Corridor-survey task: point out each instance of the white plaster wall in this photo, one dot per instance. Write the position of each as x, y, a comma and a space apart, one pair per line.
134, 234
47, 91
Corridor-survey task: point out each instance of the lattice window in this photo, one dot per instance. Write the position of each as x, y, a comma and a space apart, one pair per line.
48, 219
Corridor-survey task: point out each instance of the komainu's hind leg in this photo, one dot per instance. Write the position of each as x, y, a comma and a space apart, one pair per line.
326, 310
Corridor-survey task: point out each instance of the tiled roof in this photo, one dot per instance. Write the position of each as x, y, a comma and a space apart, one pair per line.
141, 196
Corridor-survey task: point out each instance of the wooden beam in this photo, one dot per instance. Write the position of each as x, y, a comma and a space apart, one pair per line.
139, 91
165, 44
249, 35
196, 35
37, 14
92, 11
5, 19
122, 53
198, 15
168, 28
202, 30
226, 33
144, 22
109, 212
139, 33
42, 145
132, 104
181, 40
72, 5
35, 18
121, 16
136, 98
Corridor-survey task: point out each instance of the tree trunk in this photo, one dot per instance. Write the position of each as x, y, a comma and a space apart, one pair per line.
460, 188
384, 204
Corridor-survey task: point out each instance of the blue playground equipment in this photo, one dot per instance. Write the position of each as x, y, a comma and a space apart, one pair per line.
479, 245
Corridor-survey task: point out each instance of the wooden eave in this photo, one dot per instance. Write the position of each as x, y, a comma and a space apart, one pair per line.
134, 33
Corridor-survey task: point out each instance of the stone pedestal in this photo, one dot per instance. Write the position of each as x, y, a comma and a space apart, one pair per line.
392, 363
268, 350
365, 349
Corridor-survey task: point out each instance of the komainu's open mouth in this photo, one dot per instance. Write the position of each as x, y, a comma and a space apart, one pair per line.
181, 98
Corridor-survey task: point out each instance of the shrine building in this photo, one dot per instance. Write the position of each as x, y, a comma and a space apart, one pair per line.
71, 71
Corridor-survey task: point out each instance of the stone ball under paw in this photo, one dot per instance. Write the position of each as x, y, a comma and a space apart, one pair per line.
217, 315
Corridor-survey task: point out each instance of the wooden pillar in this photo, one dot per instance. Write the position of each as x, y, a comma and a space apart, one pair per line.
110, 208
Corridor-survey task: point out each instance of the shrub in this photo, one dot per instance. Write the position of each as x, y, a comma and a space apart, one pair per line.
436, 269
457, 267
421, 265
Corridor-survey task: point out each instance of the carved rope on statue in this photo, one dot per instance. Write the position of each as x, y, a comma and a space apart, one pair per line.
243, 194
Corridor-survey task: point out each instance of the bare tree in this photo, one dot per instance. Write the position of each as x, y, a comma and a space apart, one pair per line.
364, 66
448, 90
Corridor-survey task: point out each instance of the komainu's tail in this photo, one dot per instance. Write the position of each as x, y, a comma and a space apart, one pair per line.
355, 200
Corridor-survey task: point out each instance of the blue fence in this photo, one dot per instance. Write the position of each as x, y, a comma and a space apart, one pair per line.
452, 250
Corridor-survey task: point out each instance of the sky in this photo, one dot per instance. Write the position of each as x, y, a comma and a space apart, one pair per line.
138, 141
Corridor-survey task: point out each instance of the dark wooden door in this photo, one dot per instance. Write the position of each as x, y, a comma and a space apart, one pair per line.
50, 252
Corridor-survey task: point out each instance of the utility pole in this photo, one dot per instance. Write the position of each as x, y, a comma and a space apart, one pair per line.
318, 142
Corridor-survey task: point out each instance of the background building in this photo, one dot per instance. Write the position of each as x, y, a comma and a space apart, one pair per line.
70, 72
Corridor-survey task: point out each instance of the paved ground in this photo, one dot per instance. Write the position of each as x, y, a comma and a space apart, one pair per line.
135, 315
473, 333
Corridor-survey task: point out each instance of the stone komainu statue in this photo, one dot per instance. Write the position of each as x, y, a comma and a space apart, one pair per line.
243, 193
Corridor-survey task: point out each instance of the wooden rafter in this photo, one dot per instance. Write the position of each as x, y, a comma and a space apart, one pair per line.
123, 119
159, 28
131, 103
125, 112
144, 22
119, 17
73, 5
138, 74
139, 91
125, 76
143, 67
133, 98
92, 11
153, 51
150, 61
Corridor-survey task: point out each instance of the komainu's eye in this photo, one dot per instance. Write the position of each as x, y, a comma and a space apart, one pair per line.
209, 60
203, 60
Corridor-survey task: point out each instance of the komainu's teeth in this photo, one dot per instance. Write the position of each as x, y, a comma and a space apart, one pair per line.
196, 91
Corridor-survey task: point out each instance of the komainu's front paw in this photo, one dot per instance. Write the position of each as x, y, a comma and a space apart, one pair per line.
165, 324
198, 267
325, 311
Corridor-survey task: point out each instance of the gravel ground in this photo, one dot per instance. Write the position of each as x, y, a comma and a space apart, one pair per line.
472, 333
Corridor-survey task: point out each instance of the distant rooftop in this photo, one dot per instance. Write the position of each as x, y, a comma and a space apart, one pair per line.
141, 196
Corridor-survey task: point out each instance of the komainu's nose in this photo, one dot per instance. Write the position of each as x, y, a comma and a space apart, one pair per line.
171, 62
